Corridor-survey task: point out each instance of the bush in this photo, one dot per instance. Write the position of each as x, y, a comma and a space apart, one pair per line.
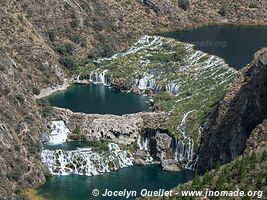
77, 131
68, 62
7, 90
52, 36
36, 91
65, 49
253, 5
74, 23
98, 25
20, 98
222, 12
46, 107
29, 119
184, 4
16, 174
76, 38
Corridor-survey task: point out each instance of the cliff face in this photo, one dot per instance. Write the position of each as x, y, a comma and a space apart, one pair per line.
229, 126
38, 36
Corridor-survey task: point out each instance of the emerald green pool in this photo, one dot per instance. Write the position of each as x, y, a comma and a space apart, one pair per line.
236, 44
133, 178
98, 99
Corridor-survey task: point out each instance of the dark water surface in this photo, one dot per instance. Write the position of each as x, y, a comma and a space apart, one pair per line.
236, 44
98, 99
133, 178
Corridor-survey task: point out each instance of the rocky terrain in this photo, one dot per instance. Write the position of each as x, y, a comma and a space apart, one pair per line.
40, 39
118, 129
225, 133
246, 173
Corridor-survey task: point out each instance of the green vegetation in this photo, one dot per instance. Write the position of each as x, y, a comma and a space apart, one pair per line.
65, 49
20, 98
253, 5
200, 87
99, 145
52, 36
247, 173
69, 62
46, 108
74, 22
77, 135
36, 91
222, 11
184, 4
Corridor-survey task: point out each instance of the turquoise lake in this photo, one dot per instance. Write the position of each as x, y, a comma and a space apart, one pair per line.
130, 178
236, 44
98, 99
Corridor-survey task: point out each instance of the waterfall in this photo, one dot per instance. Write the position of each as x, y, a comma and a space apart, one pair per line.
78, 77
59, 133
182, 126
85, 161
143, 142
159, 89
146, 82
143, 84
99, 78
173, 88
184, 147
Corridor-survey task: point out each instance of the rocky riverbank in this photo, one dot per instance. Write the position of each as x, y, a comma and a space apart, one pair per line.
143, 135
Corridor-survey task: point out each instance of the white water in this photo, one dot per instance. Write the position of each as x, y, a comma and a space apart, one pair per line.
85, 161
59, 133
173, 89
184, 147
99, 78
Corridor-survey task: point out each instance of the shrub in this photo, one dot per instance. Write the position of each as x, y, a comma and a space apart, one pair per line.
76, 38
7, 90
29, 119
36, 91
52, 36
98, 25
74, 23
20, 98
68, 62
184, 4
46, 107
77, 131
2, 67
222, 11
16, 174
253, 5
65, 49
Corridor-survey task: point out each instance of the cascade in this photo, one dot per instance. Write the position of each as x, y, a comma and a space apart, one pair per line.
99, 78
173, 88
143, 83
183, 148
85, 161
147, 81
143, 142
59, 133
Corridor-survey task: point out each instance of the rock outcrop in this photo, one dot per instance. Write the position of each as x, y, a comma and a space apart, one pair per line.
119, 129
39, 37
227, 129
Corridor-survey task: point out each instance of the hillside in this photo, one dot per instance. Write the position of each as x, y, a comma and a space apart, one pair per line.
41, 40
246, 173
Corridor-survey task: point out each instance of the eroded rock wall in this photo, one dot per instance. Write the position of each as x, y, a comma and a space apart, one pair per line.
229, 126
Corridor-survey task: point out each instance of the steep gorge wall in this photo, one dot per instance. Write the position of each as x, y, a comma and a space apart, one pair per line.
35, 36
227, 129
